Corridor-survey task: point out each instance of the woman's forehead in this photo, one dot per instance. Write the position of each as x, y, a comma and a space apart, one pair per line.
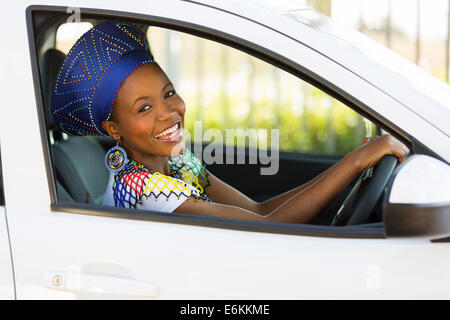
147, 81
145, 75
148, 78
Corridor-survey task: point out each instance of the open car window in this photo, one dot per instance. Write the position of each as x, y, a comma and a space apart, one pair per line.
225, 89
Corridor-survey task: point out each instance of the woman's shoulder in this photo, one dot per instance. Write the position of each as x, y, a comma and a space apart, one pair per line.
187, 161
191, 169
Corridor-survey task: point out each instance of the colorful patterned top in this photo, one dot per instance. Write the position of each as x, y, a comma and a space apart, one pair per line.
137, 187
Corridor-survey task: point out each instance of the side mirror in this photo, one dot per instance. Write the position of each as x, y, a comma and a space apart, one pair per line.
417, 199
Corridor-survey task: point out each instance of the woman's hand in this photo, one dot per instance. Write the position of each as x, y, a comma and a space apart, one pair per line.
370, 153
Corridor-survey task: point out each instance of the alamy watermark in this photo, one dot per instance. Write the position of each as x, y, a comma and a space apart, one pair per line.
258, 150
75, 14
373, 277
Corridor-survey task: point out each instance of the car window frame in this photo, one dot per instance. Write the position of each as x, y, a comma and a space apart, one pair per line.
369, 231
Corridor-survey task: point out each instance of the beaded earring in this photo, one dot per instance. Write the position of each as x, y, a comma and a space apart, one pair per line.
115, 158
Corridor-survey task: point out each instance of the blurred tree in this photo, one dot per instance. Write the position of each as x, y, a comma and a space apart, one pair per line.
323, 6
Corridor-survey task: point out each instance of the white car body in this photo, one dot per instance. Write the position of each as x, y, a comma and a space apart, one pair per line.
62, 255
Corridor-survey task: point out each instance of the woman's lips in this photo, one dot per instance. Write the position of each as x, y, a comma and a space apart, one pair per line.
172, 134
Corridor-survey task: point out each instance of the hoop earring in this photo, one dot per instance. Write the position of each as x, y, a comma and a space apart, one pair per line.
116, 158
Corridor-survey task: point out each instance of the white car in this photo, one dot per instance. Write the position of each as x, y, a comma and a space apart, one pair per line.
54, 246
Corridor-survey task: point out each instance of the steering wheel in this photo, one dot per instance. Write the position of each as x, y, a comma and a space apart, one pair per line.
361, 200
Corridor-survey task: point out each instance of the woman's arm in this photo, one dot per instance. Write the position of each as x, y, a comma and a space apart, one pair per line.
303, 206
269, 205
221, 192
300, 208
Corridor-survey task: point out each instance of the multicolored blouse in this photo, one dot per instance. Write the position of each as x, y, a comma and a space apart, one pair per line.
138, 187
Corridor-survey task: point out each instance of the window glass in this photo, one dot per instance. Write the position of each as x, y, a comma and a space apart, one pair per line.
225, 88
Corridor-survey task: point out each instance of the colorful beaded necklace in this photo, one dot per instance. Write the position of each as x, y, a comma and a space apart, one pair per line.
136, 181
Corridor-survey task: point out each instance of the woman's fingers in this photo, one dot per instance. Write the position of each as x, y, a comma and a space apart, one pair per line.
370, 153
397, 148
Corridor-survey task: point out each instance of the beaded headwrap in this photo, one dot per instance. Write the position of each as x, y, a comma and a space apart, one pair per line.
89, 79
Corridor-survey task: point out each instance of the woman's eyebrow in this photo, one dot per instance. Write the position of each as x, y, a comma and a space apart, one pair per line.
167, 84
146, 97
140, 98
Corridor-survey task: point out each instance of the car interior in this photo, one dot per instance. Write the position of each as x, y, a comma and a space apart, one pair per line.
78, 162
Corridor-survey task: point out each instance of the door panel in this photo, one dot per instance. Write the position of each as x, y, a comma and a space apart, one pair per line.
190, 262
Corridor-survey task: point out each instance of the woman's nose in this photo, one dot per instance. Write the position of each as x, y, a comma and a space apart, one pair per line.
166, 111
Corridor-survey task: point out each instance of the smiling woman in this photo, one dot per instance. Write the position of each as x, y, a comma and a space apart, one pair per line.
143, 114
110, 85
148, 120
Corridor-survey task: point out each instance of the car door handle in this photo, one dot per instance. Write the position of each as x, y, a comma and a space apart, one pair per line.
97, 283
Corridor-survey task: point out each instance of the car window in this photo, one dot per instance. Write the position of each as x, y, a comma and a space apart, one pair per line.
223, 89
227, 88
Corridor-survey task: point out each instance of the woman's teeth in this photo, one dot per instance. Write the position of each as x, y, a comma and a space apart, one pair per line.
168, 133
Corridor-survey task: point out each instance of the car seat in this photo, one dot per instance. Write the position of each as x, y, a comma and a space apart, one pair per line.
80, 168
62, 193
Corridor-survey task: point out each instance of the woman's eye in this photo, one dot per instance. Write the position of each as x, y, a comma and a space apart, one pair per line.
170, 93
145, 108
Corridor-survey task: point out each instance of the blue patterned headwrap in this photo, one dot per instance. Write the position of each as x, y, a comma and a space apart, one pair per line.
89, 79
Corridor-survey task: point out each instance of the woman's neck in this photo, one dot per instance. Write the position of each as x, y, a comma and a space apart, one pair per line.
155, 163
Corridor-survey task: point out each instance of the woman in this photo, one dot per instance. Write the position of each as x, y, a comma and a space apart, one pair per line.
109, 84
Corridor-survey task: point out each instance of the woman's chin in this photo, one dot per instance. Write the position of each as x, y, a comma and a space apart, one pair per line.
174, 144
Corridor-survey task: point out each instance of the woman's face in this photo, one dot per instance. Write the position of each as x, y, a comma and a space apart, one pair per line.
148, 114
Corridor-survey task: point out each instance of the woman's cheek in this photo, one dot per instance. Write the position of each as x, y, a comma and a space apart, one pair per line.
146, 126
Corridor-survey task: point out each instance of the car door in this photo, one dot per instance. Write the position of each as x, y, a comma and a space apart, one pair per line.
77, 250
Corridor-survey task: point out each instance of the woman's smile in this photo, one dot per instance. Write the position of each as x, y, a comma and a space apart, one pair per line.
174, 133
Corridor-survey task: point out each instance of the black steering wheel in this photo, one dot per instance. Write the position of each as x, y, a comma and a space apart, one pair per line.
361, 200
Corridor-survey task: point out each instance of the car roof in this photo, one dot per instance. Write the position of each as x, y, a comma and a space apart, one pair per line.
401, 79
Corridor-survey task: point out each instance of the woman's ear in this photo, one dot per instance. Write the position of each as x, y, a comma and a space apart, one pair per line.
111, 128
